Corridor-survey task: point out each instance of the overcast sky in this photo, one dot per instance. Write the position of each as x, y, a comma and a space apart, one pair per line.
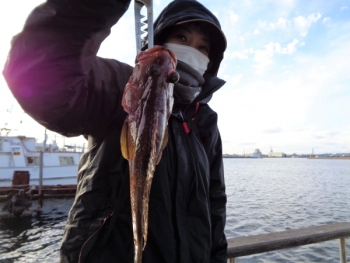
287, 68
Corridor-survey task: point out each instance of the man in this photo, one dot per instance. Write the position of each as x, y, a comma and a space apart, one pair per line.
55, 75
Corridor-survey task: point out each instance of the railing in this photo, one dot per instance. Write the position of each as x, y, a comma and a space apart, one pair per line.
244, 246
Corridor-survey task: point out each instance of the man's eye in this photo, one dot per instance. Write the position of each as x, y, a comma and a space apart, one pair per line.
204, 49
181, 37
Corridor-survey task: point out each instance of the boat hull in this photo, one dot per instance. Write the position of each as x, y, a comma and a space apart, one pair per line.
54, 175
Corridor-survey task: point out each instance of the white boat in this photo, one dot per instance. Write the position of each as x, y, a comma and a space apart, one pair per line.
255, 154
20, 153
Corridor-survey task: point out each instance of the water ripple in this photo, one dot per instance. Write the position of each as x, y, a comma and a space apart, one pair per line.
264, 196
34, 239
271, 195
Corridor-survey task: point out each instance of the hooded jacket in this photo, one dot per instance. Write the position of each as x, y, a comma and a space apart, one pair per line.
55, 75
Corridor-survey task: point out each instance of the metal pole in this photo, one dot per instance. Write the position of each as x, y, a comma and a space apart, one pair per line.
42, 164
40, 178
342, 250
231, 260
41, 171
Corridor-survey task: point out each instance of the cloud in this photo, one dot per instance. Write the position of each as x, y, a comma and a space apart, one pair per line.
326, 19
326, 135
262, 24
234, 80
289, 49
343, 8
303, 24
281, 3
233, 17
287, 111
263, 58
287, 2
273, 130
281, 23
241, 54
318, 137
247, 143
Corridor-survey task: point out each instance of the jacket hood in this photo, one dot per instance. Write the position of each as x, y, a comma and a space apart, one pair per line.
182, 11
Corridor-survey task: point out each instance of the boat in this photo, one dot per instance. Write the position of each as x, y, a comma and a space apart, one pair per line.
21, 154
255, 154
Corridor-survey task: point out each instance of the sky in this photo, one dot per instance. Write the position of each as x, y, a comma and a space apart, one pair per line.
287, 72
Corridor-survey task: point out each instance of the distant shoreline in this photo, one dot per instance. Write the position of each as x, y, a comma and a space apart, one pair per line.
330, 158
312, 158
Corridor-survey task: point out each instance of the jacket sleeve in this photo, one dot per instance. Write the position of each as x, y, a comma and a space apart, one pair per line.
54, 73
210, 137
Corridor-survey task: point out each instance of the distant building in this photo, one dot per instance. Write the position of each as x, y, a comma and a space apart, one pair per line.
343, 154
276, 154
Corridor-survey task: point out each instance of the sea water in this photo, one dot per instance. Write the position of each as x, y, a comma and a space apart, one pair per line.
264, 196
277, 194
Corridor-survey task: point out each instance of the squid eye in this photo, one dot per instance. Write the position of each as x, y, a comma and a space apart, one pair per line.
151, 70
173, 77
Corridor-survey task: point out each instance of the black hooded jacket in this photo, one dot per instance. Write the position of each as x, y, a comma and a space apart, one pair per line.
55, 75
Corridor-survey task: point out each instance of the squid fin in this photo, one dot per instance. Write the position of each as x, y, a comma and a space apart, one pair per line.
165, 139
165, 142
126, 142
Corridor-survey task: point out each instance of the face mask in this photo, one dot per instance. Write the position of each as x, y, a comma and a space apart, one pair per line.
191, 56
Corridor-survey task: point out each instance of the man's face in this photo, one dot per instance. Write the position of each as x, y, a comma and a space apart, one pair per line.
189, 34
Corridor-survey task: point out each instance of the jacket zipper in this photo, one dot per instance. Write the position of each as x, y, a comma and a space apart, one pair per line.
82, 248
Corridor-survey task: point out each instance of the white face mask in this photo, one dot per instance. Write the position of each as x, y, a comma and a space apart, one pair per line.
191, 56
